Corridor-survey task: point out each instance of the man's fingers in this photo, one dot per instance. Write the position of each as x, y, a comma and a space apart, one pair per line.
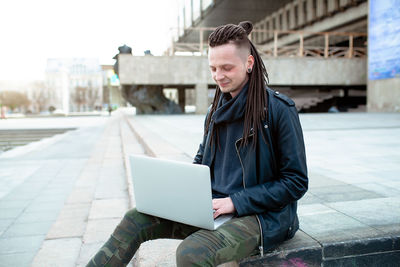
216, 214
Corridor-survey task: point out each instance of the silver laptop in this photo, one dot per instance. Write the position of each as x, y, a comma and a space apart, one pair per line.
173, 190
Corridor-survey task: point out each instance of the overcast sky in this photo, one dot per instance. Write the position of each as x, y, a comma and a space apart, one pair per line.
34, 30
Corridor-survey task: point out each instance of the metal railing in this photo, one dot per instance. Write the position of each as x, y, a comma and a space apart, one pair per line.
286, 43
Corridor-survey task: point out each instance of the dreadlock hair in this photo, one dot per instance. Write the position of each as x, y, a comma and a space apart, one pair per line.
256, 103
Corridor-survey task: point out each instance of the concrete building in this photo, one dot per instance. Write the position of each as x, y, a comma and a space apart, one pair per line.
314, 50
75, 84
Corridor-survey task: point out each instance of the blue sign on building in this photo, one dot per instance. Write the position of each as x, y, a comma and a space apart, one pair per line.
384, 39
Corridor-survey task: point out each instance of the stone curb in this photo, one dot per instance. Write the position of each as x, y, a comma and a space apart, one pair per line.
127, 168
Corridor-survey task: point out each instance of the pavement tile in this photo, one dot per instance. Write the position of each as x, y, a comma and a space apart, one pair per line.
100, 230
75, 211
391, 176
50, 198
309, 198
108, 208
25, 196
343, 193
89, 182
27, 229
4, 224
67, 228
381, 189
10, 213
17, 259
386, 211
392, 229
351, 177
20, 244
111, 187
88, 250
40, 216
58, 253
331, 226
81, 195
44, 206
30, 187
319, 180
109, 173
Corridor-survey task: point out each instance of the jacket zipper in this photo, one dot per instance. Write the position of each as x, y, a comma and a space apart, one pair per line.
261, 248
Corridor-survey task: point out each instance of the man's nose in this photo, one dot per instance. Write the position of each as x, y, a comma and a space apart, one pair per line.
219, 75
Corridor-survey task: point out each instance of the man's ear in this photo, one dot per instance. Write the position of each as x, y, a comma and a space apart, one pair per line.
250, 62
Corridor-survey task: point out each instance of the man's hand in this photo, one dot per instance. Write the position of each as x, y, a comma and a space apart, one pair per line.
222, 206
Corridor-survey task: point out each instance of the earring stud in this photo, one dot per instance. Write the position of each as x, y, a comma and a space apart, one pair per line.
249, 70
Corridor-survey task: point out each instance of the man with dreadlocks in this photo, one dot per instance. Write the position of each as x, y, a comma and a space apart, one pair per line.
253, 144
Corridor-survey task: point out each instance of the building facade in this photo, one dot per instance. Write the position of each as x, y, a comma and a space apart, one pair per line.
74, 84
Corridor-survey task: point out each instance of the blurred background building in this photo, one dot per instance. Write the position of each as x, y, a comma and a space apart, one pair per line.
74, 84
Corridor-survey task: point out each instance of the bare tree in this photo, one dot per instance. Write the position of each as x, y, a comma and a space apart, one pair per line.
85, 96
14, 100
38, 97
79, 96
92, 95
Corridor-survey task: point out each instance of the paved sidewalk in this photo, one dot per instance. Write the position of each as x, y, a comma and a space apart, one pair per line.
60, 201
352, 208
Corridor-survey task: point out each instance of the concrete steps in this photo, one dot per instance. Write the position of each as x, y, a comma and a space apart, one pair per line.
20, 137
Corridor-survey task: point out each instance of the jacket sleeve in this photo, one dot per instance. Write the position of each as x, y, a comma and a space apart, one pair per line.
198, 158
292, 181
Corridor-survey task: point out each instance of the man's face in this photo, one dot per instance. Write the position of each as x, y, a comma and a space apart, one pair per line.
228, 65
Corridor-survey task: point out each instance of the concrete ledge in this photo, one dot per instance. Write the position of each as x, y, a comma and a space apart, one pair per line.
303, 250
191, 70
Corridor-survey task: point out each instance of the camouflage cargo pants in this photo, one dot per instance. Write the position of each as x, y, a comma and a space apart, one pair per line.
234, 240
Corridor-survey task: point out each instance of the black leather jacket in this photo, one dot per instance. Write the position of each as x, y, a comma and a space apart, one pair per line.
274, 173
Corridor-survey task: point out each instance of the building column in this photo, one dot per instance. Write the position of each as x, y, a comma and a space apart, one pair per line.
310, 11
292, 15
284, 19
278, 25
301, 18
321, 8
182, 98
270, 27
201, 98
